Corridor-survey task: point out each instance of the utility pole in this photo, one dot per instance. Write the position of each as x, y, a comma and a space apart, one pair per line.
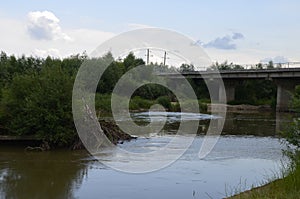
165, 57
148, 55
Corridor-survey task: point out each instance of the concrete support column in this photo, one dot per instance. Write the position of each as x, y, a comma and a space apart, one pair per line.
213, 90
284, 95
229, 92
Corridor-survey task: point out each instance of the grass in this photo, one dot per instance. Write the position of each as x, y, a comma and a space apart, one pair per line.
286, 188
175, 107
103, 104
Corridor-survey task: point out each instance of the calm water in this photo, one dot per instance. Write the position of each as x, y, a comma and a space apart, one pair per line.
247, 154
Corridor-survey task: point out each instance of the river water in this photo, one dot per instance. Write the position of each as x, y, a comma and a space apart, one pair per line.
247, 154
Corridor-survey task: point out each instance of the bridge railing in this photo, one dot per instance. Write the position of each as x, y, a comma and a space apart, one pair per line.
261, 66
275, 65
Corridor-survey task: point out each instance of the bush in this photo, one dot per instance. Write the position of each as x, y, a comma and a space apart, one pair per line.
292, 133
202, 107
103, 103
165, 102
40, 104
137, 103
175, 107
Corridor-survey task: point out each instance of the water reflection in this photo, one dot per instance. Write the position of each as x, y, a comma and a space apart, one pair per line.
74, 174
257, 124
40, 175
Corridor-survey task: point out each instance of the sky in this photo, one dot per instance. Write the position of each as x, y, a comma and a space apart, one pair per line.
242, 32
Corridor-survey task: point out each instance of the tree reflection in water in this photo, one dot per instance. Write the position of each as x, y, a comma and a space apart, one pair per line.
54, 174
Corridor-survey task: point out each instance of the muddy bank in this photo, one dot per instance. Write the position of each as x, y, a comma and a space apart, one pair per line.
112, 132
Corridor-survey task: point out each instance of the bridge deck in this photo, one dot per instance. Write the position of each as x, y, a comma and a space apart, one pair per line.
240, 74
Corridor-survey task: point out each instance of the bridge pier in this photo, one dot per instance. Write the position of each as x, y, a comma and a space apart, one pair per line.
229, 92
285, 90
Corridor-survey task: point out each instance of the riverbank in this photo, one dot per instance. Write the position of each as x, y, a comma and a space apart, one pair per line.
287, 187
31, 142
241, 108
207, 108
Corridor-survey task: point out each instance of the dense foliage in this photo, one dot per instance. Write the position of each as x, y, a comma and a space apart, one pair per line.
36, 94
292, 134
36, 99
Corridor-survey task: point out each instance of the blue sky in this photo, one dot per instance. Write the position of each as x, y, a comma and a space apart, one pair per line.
238, 31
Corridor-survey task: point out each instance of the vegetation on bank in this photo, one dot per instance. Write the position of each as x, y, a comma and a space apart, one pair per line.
288, 187
36, 94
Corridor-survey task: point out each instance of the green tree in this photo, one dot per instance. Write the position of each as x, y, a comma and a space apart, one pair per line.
186, 68
40, 104
131, 61
226, 66
270, 65
259, 66
111, 75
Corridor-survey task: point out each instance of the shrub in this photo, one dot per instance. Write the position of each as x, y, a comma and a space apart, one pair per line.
103, 103
137, 103
40, 104
292, 133
165, 102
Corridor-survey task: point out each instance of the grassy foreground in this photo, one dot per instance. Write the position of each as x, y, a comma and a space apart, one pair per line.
286, 188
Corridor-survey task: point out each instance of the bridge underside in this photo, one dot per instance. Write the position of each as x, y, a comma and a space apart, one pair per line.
285, 90
285, 78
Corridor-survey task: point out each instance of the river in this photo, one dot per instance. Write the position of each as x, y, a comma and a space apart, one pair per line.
247, 154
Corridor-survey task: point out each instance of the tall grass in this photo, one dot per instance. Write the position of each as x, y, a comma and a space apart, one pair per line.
286, 188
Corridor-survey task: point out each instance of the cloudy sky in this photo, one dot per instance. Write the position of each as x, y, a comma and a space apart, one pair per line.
244, 32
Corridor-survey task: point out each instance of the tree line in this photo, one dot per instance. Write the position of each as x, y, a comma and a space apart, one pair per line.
36, 94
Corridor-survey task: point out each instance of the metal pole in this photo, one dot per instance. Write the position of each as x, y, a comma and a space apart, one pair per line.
148, 52
165, 57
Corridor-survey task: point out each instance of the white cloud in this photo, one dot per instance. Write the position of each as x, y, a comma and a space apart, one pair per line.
16, 40
237, 35
83, 40
225, 43
45, 26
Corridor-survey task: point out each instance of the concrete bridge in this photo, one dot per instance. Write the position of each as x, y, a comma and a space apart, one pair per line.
285, 78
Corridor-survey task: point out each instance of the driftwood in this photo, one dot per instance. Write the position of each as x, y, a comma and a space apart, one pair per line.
29, 148
44, 147
111, 131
